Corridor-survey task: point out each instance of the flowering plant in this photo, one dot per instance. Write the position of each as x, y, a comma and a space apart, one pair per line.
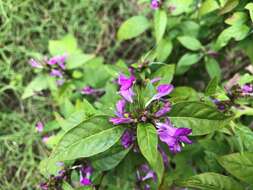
135, 126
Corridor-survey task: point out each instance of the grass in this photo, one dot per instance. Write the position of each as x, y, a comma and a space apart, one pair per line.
26, 27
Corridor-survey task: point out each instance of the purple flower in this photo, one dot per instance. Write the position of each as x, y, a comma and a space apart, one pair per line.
164, 156
59, 60
39, 127
154, 80
85, 175
127, 139
219, 104
155, 4
247, 88
164, 110
56, 73
163, 90
127, 94
45, 139
88, 90
44, 186
126, 85
172, 136
144, 173
118, 120
60, 82
122, 116
35, 64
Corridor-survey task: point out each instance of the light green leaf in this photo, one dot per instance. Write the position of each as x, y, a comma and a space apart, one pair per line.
212, 87
186, 61
210, 181
213, 68
148, 142
201, 118
164, 49
238, 32
166, 73
249, 6
91, 137
239, 165
229, 6
67, 44
73, 120
208, 6
37, 84
237, 18
77, 59
133, 27
160, 24
110, 158
190, 43
246, 78
66, 186
182, 6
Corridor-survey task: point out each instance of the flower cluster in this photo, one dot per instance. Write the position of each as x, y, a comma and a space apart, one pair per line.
55, 66
167, 133
155, 4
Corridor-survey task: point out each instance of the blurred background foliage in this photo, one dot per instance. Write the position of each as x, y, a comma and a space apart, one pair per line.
25, 29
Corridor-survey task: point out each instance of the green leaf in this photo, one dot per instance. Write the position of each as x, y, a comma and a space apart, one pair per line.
66, 186
211, 181
91, 137
182, 6
190, 43
77, 59
237, 18
148, 142
166, 73
239, 165
73, 120
246, 78
213, 68
249, 6
37, 84
133, 27
184, 93
208, 6
229, 6
164, 49
212, 87
160, 24
110, 158
67, 44
238, 32
246, 137
186, 61
201, 118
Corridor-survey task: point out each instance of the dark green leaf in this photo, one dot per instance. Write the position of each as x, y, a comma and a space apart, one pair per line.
91, 137
110, 158
200, 117
211, 181
239, 165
